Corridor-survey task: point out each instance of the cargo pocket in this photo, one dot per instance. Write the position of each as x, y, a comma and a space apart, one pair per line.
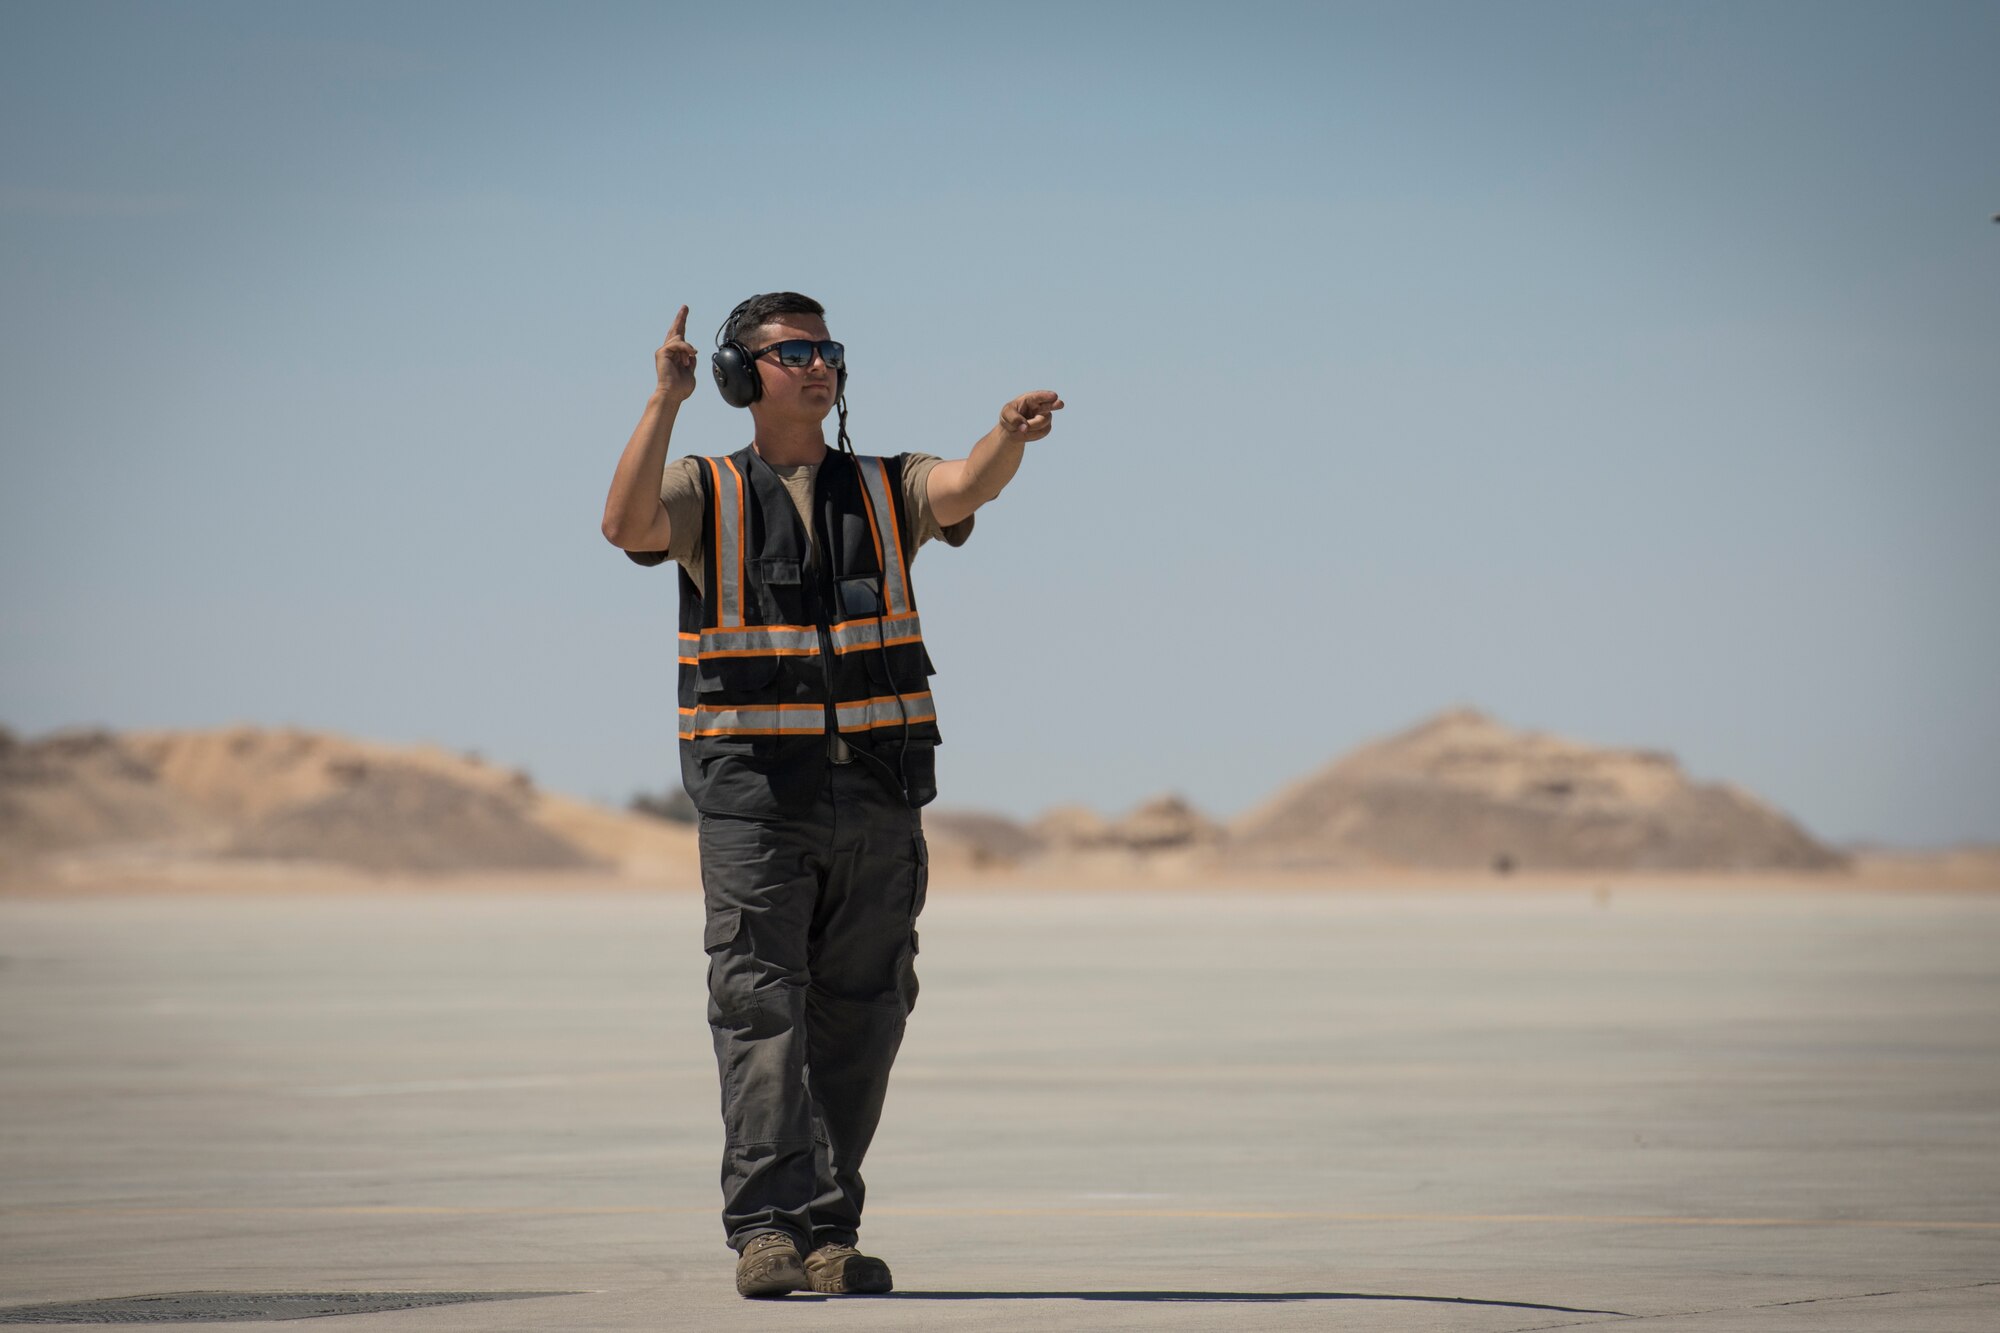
921, 883
721, 928
906, 974
725, 972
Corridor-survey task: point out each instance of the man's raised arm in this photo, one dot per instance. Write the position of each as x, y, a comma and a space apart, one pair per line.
958, 486
634, 518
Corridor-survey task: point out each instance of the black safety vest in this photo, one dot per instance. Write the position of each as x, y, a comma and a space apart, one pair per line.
780, 652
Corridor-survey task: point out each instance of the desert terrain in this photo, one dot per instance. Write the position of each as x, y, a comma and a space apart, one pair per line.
1458, 800
1472, 1029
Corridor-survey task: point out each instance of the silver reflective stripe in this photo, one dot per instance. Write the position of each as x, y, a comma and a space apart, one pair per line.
760, 639
895, 580
728, 539
887, 712
808, 720
851, 634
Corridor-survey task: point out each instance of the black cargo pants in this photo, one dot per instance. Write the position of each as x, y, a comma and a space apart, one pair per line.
811, 938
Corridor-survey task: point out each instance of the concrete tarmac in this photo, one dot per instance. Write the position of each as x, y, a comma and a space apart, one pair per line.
1691, 1111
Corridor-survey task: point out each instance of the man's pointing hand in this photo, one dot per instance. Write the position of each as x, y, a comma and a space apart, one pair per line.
675, 361
1031, 416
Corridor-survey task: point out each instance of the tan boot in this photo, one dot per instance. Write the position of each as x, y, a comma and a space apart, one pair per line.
769, 1266
842, 1270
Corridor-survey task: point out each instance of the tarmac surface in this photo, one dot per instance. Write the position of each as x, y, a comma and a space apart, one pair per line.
1693, 1111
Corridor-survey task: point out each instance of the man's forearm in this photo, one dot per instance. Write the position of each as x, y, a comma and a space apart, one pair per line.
992, 464
633, 507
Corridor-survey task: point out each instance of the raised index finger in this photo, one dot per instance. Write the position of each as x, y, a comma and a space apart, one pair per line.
680, 328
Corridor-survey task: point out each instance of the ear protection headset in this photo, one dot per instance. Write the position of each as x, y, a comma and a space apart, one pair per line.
735, 373
736, 369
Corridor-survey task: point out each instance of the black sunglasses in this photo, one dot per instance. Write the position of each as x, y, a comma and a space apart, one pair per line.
798, 352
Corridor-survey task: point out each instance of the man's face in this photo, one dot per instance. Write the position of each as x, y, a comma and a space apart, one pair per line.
794, 393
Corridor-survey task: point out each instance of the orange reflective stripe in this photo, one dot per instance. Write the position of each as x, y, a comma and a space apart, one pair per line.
728, 536
753, 720
761, 652
895, 574
803, 640
895, 531
760, 639
740, 542
889, 710
868, 508
854, 635
715, 518
842, 649
886, 710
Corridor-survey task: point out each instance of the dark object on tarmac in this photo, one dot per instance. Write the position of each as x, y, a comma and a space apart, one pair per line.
243, 1307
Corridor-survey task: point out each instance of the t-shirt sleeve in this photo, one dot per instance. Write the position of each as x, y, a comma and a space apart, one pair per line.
680, 492
917, 503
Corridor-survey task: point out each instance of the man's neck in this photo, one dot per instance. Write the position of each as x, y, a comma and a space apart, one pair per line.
783, 447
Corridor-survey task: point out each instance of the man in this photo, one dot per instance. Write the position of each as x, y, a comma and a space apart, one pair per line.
806, 736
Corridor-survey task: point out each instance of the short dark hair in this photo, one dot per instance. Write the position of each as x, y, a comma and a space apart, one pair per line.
760, 310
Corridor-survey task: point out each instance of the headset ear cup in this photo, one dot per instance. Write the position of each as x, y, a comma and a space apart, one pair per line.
736, 375
840, 389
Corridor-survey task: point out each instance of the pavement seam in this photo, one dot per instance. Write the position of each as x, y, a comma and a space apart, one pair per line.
1759, 1305
1865, 1295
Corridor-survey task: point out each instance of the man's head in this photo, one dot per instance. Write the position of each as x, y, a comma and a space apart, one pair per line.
794, 393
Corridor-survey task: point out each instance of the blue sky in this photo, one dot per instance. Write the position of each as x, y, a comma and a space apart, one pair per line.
1630, 372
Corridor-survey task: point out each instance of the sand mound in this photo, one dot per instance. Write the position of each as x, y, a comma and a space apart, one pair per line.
1166, 823
1162, 823
404, 819
1462, 790
77, 789
284, 794
1070, 827
240, 773
977, 839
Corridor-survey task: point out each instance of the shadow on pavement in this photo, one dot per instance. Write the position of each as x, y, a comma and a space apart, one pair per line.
1228, 1297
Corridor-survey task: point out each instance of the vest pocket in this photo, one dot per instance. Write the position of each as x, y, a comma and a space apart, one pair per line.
734, 675
780, 585
860, 595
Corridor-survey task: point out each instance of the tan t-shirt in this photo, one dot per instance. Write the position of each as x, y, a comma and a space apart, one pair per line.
680, 492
